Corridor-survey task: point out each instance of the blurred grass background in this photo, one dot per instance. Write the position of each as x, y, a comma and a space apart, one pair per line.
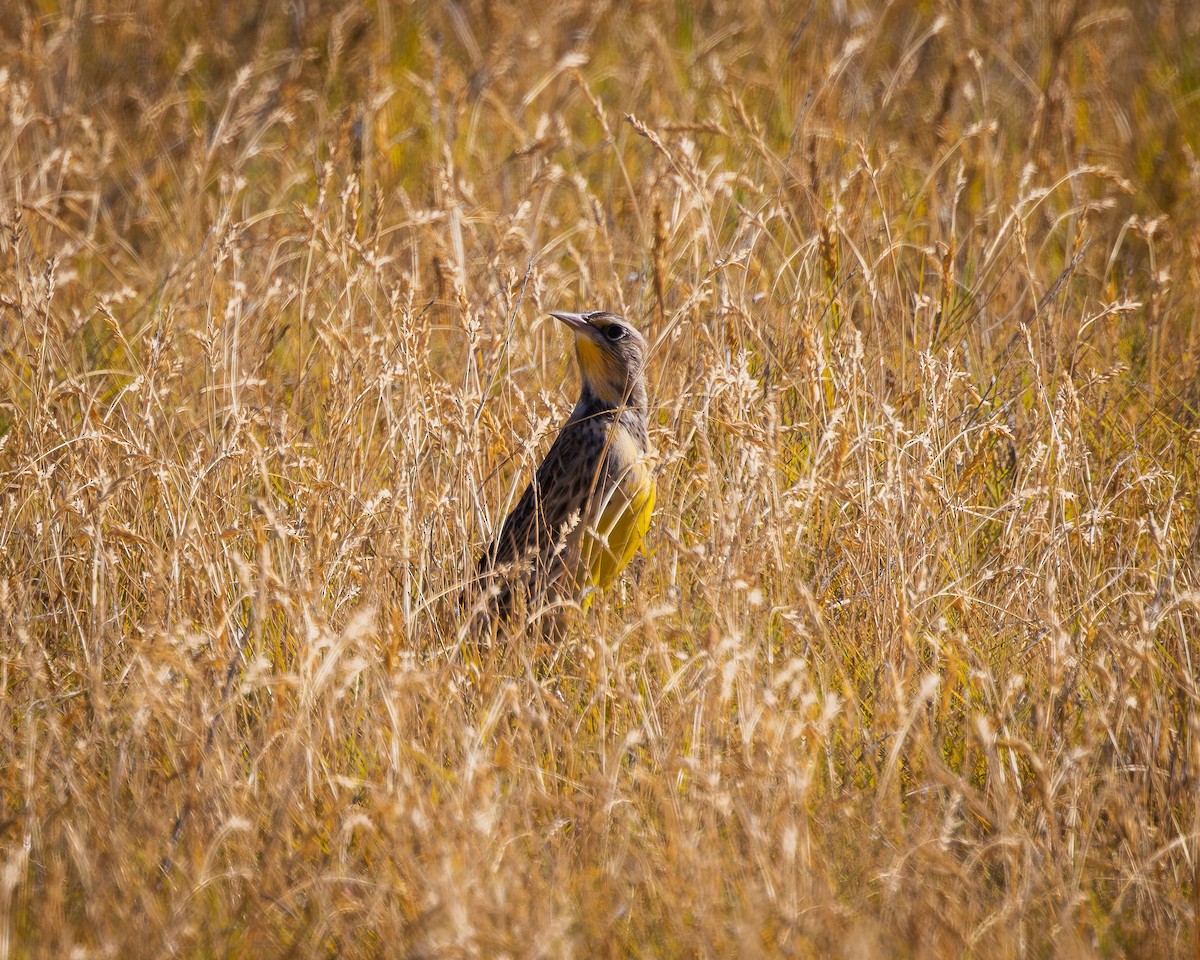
910, 669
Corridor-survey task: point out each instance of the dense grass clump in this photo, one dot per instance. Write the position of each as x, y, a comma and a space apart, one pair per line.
910, 668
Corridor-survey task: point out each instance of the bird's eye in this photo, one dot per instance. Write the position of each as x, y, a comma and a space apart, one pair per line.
614, 332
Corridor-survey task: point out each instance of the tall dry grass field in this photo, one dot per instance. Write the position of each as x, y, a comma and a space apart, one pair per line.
910, 666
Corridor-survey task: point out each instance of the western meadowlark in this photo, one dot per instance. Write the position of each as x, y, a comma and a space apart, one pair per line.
584, 514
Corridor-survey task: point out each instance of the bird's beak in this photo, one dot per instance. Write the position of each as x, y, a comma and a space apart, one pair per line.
576, 321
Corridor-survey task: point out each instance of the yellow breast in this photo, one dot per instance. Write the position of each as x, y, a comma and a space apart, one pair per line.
622, 518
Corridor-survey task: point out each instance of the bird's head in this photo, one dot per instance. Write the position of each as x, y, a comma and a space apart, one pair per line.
612, 355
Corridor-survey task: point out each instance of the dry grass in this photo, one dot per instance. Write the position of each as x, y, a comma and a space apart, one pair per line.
911, 669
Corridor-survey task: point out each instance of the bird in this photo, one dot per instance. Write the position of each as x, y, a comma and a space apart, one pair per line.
586, 511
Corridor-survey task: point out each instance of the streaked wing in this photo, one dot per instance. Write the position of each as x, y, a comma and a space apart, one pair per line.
559, 488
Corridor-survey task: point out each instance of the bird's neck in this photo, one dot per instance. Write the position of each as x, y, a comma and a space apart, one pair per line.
629, 413
597, 399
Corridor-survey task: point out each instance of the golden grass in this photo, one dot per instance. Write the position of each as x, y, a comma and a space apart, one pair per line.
911, 669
